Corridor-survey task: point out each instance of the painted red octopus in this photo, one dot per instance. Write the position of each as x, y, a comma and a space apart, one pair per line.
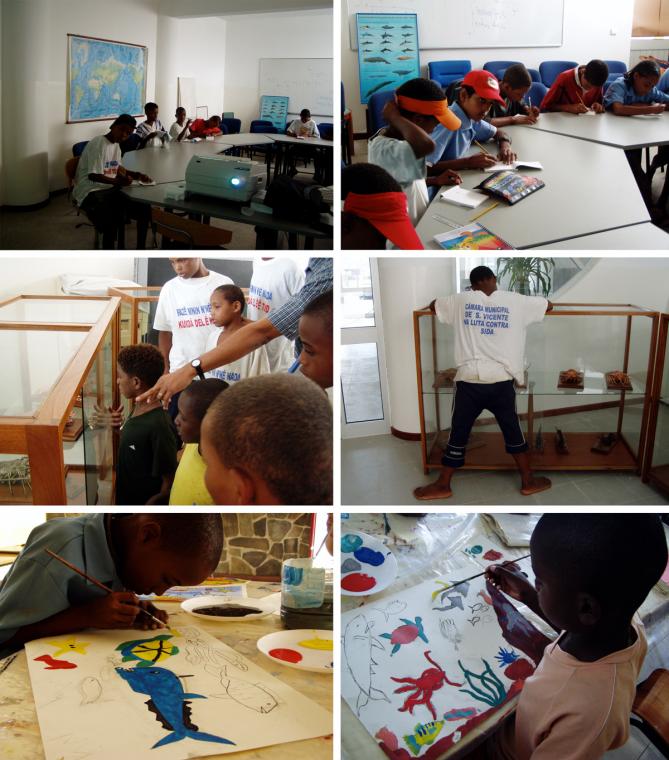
424, 686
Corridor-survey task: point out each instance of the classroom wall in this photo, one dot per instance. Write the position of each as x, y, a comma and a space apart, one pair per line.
586, 35
272, 35
2, 182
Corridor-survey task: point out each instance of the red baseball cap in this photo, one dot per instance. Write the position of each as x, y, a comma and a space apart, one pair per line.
388, 213
484, 84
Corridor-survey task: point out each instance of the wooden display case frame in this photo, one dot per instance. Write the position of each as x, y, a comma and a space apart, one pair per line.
658, 476
40, 436
127, 297
493, 455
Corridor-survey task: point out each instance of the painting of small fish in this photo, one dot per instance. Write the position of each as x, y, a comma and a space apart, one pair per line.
401, 72
148, 651
404, 57
423, 735
376, 59
170, 704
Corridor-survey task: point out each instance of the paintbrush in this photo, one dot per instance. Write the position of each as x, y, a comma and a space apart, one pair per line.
7, 662
321, 546
471, 578
97, 583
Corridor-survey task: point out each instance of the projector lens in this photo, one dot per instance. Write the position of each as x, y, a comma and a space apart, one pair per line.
235, 181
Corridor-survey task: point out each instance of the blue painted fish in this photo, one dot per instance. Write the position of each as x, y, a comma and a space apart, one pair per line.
423, 735
169, 702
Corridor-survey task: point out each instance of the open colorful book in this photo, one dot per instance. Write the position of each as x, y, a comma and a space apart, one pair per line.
510, 187
471, 237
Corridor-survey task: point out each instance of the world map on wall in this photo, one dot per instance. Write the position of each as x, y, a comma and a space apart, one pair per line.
105, 79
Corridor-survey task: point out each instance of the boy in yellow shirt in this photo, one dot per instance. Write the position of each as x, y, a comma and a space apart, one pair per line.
189, 487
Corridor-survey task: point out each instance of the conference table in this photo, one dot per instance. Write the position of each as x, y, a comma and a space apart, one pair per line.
645, 236
317, 145
169, 164
589, 189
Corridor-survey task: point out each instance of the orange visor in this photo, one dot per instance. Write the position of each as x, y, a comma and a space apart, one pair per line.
437, 108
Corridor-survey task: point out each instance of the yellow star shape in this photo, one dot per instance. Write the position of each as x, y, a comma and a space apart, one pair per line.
67, 646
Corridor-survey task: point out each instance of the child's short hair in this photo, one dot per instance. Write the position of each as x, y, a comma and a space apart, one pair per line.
150, 105
278, 427
215, 119
643, 69
480, 274
367, 179
201, 394
321, 308
192, 535
517, 76
232, 293
125, 120
596, 72
305, 112
143, 361
616, 558
179, 108
421, 89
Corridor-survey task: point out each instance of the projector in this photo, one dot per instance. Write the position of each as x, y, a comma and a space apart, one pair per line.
227, 177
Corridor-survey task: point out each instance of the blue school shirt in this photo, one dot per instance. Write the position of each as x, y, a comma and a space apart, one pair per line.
663, 84
621, 91
454, 144
38, 586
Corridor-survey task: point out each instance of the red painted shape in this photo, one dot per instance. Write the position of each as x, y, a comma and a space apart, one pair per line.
519, 670
358, 582
491, 555
52, 664
288, 655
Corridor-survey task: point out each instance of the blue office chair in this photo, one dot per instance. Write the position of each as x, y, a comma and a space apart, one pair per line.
326, 130
549, 70
445, 72
536, 93
536, 76
259, 125
375, 109
132, 143
616, 67
78, 148
494, 67
234, 126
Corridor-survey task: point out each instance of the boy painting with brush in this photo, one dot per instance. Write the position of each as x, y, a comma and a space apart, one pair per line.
127, 553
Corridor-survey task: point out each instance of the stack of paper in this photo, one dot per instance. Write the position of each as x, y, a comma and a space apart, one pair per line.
500, 166
459, 196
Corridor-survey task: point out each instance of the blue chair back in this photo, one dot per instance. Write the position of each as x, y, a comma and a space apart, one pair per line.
375, 109
259, 125
536, 76
536, 93
78, 148
132, 143
549, 70
494, 67
326, 130
233, 126
445, 72
616, 67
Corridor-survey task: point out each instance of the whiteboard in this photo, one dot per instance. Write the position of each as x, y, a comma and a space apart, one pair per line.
306, 81
473, 23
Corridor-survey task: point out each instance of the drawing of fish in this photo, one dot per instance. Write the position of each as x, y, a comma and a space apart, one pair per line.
387, 26
423, 734
386, 36
408, 50
461, 713
376, 59
90, 689
366, 34
401, 72
378, 87
407, 35
170, 704
386, 50
404, 57
247, 694
406, 26
358, 657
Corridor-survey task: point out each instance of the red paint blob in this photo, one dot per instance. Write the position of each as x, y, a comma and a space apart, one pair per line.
358, 582
519, 670
491, 555
288, 655
52, 664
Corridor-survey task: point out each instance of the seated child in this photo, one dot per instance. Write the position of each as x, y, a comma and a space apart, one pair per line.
99, 177
227, 308
305, 126
661, 158
268, 440
147, 452
478, 92
205, 128
375, 211
152, 127
315, 331
402, 147
513, 88
188, 487
578, 90
180, 129
577, 703
131, 554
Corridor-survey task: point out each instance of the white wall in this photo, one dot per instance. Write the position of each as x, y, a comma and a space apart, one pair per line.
1, 174
272, 35
586, 35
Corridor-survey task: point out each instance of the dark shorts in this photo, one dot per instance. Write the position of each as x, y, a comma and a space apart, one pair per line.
469, 400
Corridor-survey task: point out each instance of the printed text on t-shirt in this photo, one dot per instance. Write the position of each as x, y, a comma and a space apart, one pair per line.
193, 311
486, 318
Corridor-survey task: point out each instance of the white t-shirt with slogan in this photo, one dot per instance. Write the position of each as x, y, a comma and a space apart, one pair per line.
490, 332
100, 156
252, 364
183, 309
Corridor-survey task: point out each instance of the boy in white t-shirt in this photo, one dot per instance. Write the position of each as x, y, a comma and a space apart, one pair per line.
182, 316
152, 128
305, 126
180, 129
273, 283
227, 314
490, 327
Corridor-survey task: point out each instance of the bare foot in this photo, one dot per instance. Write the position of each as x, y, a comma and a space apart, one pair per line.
535, 485
433, 491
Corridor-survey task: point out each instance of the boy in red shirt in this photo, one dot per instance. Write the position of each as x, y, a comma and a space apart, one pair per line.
204, 128
578, 90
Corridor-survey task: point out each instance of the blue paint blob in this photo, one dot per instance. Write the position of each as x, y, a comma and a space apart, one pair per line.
477, 549
369, 556
349, 543
292, 576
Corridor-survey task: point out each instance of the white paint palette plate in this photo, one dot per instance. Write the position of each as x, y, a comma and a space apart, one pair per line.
367, 565
229, 608
302, 648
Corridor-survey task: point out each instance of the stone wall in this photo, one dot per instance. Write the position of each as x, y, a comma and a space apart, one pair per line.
257, 544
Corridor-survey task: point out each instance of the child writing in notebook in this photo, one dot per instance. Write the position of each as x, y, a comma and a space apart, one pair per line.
402, 147
513, 88
577, 703
578, 90
268, 440
131, 554
188, 487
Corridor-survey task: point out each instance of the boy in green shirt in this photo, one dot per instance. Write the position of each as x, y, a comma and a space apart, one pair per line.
147, 453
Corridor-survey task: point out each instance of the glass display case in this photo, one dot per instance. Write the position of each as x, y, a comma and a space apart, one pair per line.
138, 309
56, 443
595, 418
656, 465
